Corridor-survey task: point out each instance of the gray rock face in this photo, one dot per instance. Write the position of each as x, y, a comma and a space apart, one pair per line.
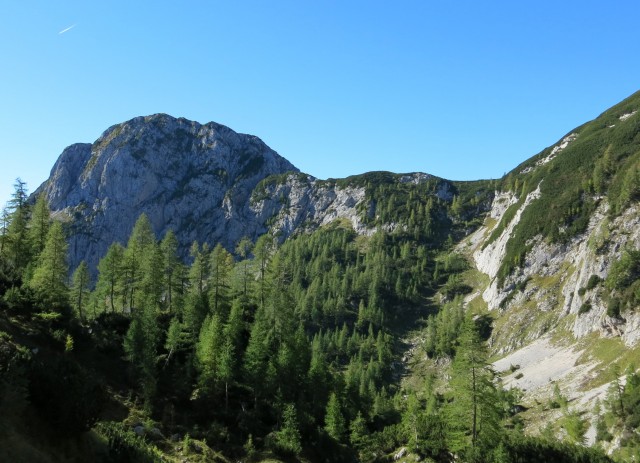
205, 182
192, 178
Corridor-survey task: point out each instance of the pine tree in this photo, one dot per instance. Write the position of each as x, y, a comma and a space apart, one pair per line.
50, 275
4, 230
412, 421
257, 355
175, 338
226, 368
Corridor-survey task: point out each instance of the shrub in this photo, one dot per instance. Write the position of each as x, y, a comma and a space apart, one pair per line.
585, 307
125, 446
613, 308
594, 280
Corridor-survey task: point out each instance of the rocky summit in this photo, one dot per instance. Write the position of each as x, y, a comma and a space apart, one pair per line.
207, 183
195, 179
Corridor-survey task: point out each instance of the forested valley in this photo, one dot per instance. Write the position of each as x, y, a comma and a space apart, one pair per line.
285, 351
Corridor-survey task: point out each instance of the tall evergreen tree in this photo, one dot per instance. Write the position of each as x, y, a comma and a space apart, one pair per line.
334, 422
208, 350
220, 266
173, 272
141, 239
243, 249
17, 246
49, 279
141, 347
111, 276
263, 251
474, 413
196, 303
288, 436
152, 270
39, 225
79, 293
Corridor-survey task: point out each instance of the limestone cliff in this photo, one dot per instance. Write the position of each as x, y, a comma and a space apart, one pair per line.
205, 182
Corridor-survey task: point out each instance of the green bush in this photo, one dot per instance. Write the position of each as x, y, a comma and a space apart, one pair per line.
125, 446
613, 308
594, 280
585, 307
624, 271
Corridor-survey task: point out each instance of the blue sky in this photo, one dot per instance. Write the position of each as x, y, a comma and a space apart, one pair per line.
463, 90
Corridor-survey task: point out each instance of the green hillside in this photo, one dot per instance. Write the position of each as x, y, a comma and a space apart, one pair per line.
297, 351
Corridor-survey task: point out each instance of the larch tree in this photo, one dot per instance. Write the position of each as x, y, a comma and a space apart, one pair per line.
474, 413
49, 279
142, 237
141, 348
243, 249
110, 276
263, 251
334, 422
173, 270
152, 280
208, 350
221, 265
17, 247
39, 225
79, 293
196, 303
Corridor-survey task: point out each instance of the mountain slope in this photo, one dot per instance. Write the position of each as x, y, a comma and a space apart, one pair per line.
556, 272
185, 176
558, 236
207, 183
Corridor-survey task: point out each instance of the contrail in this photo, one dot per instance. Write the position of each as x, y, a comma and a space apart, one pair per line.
67, 29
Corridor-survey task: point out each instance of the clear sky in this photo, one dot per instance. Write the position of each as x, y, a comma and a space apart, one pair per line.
460, 89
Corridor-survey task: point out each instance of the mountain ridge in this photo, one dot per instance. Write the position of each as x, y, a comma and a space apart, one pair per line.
204, 181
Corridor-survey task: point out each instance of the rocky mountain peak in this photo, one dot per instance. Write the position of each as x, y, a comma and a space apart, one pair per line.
177, 171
